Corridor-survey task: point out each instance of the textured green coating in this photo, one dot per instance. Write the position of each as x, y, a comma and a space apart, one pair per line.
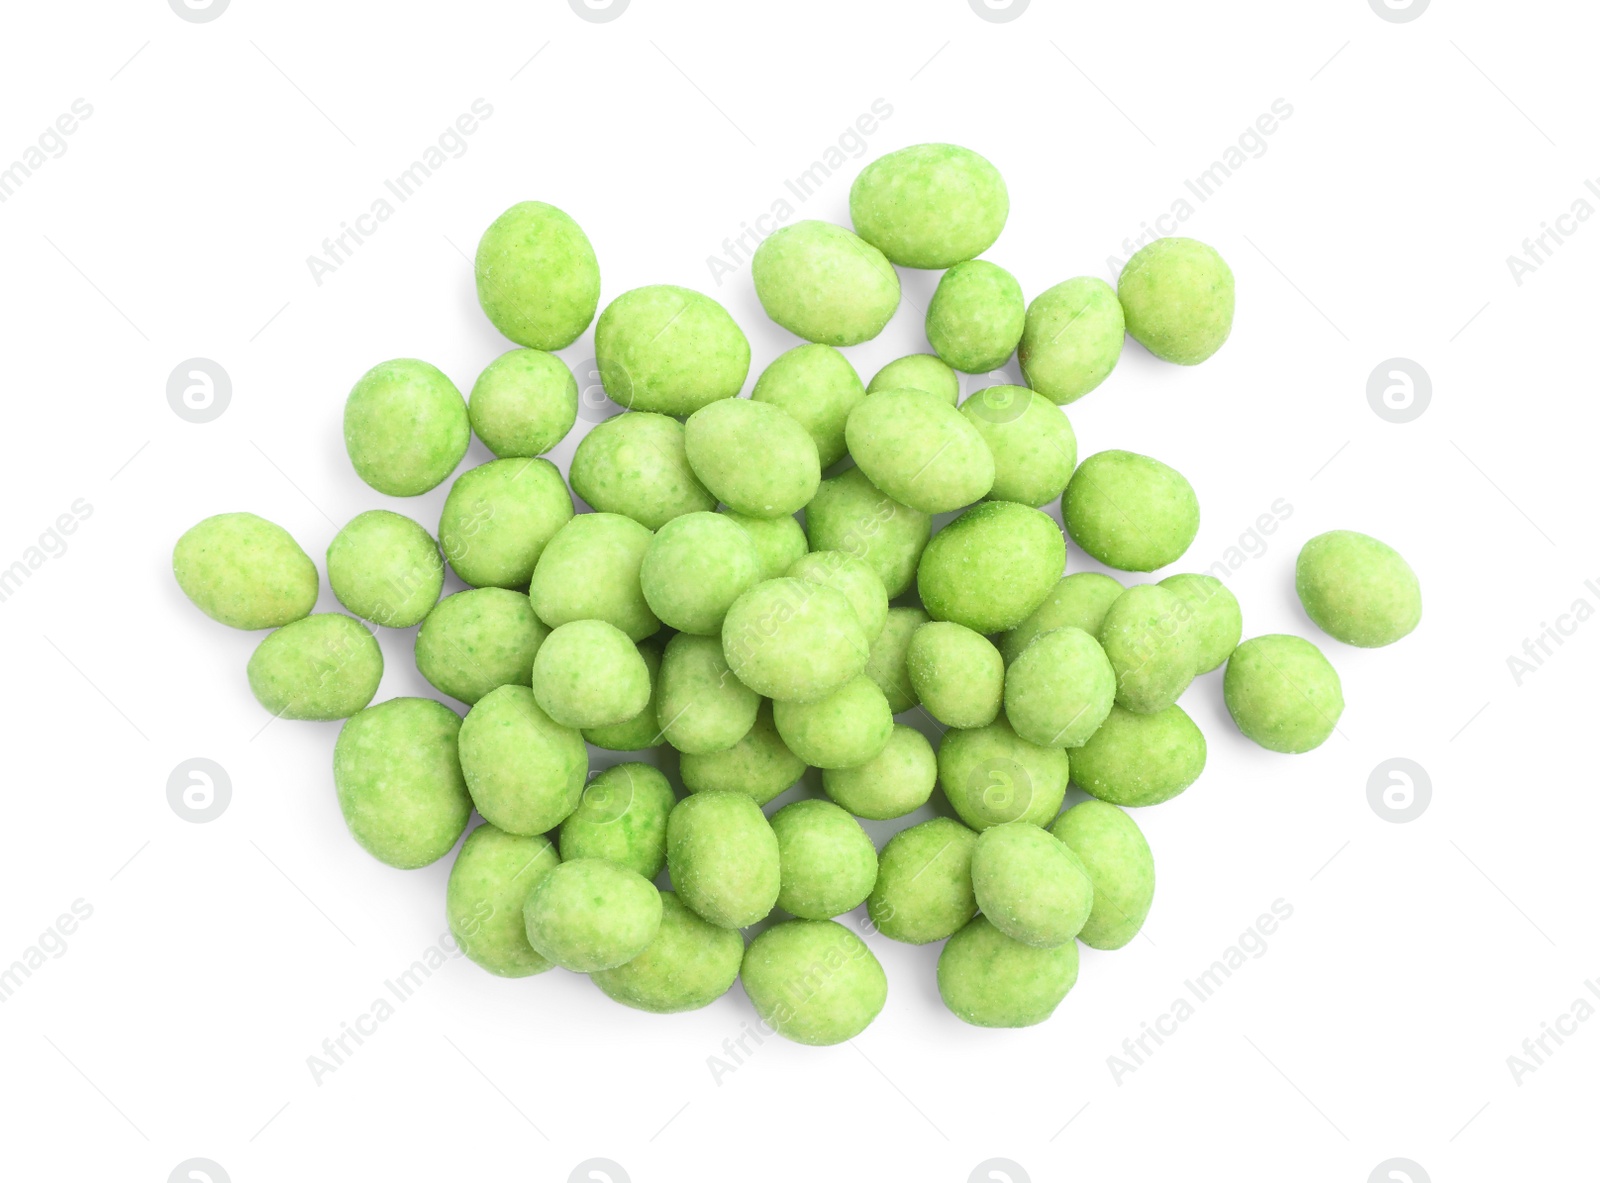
814, 981
622, 819
524, 403
824, 284
755, 458
779, 542
851, 514
524, 770
1213, 617
399, 781
538, 280
1030, 886
635, 465
588, 914
476, 640
957, 674
1033, 444
924, 887
590, 571
818, 387
918, 371
930, 205
669, 349
848, 727
1177, 298
323, 666
990, 980
1356, 589
760, 765
723, 858
991, 775
886, 662
975, 318
405, 427
1153, 652
852, 578
896, 781
919, 450
700, 706
826, 861
694, 568
1119, 864
788, 639
245, 571
1282, 693
689, 964
385, 568
1078, 601
1140, 759
640, 732
1060, 689
1129, 511
992, 566
1071, 339
490, 881
498, 517
589, 674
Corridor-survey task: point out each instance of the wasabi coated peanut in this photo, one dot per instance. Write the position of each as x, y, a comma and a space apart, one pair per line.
957, 674
538, 281
689, 964
1153, 652
589, 914
760, 765
622, 819
245, 572
694, 568
498, 517
924, 887
1078, 601
405, 427
385, 568
846, 728
1356, 589
930, 205
992, 566
826, 861
754, 457
817, 385
524, 403
640, 732
1033, 445
1030, 886
492, 878
1071, 339
990, 980
324, 666
787, 639
1282, 693
851, 514
813, 981
1119, 865
886, 661
1060, 689
477, 640
723, 858
919, 450
1177, 297
896, 781
589, 674
524, 770
635, 465
975, 318
1137, 760
854, 579
918, 371
399, 781
824, 284
991, 775
1214, 617
701, 707
1129, 511
669, 349
779, 542
590, 571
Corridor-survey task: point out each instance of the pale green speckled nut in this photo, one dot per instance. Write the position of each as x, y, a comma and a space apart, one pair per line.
622, 819
538, 281
635, 465
957, 674
524, 403
827, 863
1072, 339
1135, 760
1177, 297
755, 458
787, 639
1153, 652
779, 542
924, 887
399, 781
1214, 617
974, 320
1078, 601
689, 964
723, 858
1060, 689
245, 571
1356, 589
854, 579
920, 450
590, 571
848, 727
669, 349
1282, 693
886, 661
324, 666
640, 732
701, 707
498, 517
918, 371
760, 765
524, 770
694, 568
1034, 447
851, 514
589, 674
824, 284
1029, 885
814, 981
817, 385
492, 878
896, 781
477, 640
405, 427
990, 980
991, 775
1120, 866
385, 568
1129, 511
588, 914
992, 566
930, 205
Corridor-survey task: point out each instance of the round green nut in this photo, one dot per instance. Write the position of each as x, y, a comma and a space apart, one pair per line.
723, 858
1029, 885
590, 571
1129, 511
701, 707
1153, 651
622, 819
1140, 759
824, 284
538, 280
1282, 693
920, 450
524, 770
694, 568
975, 318
930, 205
992, 566
1356, 589
405, 427
689, 964
827, 863
588, 914
498, 518
1177, 298
846, 728
385, 568
1071, 339
589, 674
324, 666
1034, 447
851, 514
524, 403
991, 775
1060, 689
918, 371
477, 640
670, 350
1214, 617
852, 578
990, 980
924, 888
399, 781
957, 674
818, 387
779, 542
896, 781
760, 765
814, 981
245, 572
1120, 867
790, 640
490, 881
640, 732
886, 661
635, 465
1080, 600
754, 457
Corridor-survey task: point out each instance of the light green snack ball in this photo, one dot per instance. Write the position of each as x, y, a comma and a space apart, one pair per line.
974, 320
827, 863
1129, 511
1071, 339
886, 661
669, 349
324, 666
760, 765
701, 707
755, 458
635, 465
851, 577
694, 568
846, 728
818, 387
824, 284
498, 518
991, 775
918, 371
1140, 759
992, 566
477, 640
790, 640
990, 980
589, 674
1282, 693
245, 571
385, 568
588, 914
920, 450
524, 770
1034, 447
1078, 601
1177, 297
524, 403
723, 858
779, 542
1060, 689
622, 819
930, 205
640, 732
399, 781
405, 427
957, 674
1356, 589
1152, 650
1030, 886
814, 981
891, 784
490, 881
851, 514
1119, 864
538, 281
924, 887
1214, 617
590, 571
690, 964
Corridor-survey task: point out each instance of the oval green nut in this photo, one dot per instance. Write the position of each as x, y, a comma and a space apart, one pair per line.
498, 517
589, 674
524, 770
669, 349
813, 981
848, 727
818, 387
1119, 864
701, 707
851, 514
779, 542
324, 666
886, 661
694, 568
640, 732
1078, 601
1177, 298
957, 674
245, 572
896, 781
1129, 511
405, 427
723, 858
588, 914
851, 577
524, 403
689, 964
1030, 886
1071, 339
538, 280
991, 775
1356, 589
755, 458
589, 570
1282, 693
635, 465
477, 640
788, 639
491, 879
622, 818
1060, 689
990, 980
760, 765
975, 318
824, 284
918, 371
1034, 447
920, 450
385, 568
924, 887
1153, 651
827, 863
992, 566
1137, 760
1214, 617
930, 205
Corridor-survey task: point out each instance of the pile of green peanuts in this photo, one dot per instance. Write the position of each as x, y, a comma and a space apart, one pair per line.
688, 610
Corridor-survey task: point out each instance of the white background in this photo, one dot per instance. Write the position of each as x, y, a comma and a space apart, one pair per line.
219, 155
